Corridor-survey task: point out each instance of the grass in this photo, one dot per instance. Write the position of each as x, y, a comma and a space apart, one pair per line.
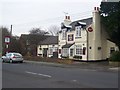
53, 60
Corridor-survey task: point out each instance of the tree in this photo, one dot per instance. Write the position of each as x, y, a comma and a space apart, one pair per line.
38, 31
54, 30
30, 41
14, 45
110, 16
5, 32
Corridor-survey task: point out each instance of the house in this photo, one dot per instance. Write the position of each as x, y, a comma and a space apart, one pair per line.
48, 47
29, 43
85, 39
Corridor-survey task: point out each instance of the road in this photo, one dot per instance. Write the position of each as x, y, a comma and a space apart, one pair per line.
38, 75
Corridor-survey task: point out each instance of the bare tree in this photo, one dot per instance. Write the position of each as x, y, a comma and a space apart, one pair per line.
37, 31
54, 29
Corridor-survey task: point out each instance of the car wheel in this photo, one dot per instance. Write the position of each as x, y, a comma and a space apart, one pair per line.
21, 61
3, 61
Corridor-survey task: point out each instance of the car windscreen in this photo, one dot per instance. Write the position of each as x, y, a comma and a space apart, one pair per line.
17, 55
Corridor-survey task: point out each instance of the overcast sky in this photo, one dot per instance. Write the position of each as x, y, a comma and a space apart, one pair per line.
27, 14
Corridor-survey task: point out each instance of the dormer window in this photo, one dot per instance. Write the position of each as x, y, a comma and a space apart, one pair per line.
78, 31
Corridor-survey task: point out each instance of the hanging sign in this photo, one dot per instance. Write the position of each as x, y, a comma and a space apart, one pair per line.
90, 29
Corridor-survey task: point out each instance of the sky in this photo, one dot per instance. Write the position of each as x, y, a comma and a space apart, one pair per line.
27, 14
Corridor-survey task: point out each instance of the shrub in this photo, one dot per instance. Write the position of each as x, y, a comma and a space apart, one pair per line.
77, 57
115, 56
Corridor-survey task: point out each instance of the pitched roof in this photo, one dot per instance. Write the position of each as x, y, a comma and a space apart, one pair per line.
49, 40
67, 45
84, 22
88, 21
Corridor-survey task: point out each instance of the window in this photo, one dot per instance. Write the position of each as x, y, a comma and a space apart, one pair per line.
70, 37
50, 50
79, 50
64, 34
71, 52
78, 31
55, 49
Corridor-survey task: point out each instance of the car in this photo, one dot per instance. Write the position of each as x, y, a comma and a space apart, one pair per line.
12, 57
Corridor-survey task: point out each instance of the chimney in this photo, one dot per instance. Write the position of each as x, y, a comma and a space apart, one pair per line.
96, 9
67, 20
68, 17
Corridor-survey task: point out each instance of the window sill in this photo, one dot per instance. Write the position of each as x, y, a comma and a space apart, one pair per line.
77, 37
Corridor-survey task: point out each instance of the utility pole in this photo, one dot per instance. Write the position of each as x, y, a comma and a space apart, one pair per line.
11, 31
8, 40
0, 42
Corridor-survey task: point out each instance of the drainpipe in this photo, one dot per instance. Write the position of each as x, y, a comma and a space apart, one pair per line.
87, 44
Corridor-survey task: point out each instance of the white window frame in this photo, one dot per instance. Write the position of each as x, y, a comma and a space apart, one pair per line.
78, 31
79, 50
51, 50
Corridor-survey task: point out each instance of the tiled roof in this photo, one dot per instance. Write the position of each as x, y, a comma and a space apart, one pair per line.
67, 45
49, 40
88, 21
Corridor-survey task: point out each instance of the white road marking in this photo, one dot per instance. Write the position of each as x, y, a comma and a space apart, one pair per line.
39, 74
31, 72
74, 80
44, 75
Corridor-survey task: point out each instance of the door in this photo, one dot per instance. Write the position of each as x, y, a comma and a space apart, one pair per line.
45, 52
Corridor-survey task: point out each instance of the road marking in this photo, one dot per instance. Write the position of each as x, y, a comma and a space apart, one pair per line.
38, 74
74, 80
31, 72
44, 75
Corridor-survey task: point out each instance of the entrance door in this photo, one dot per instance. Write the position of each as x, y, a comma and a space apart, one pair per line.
45, 52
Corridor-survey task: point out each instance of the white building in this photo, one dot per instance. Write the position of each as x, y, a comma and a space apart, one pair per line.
48, 47
85, 39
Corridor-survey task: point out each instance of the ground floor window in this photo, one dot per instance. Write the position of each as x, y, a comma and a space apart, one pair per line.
71, 52
79, 50
50, 50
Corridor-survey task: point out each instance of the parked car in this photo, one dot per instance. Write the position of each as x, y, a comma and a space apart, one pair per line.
12, 57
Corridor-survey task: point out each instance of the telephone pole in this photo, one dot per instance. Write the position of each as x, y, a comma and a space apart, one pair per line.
0, 42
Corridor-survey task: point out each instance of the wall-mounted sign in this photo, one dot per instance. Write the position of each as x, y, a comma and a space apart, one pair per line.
7, 39
90, 29
70, 37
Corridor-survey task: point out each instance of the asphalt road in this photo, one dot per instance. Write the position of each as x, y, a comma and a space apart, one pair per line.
39, 75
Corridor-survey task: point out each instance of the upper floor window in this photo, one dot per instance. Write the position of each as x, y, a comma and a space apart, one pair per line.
64, 34
78, 31
70, 37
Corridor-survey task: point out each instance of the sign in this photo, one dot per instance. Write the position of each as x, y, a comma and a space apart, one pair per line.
90, 29
7, 39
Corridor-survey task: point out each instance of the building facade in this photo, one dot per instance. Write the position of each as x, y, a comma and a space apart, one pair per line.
85, 39
48, 47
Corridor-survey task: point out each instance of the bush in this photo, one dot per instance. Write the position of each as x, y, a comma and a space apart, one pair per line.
115, 56
77, 57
